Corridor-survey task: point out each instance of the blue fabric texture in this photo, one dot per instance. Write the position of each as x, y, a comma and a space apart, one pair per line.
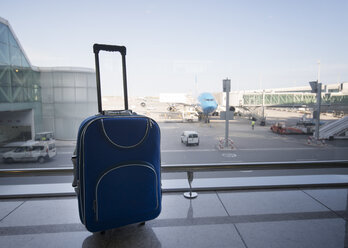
119, 171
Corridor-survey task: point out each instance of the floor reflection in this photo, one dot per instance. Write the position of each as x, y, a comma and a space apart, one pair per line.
190, 211
129, 236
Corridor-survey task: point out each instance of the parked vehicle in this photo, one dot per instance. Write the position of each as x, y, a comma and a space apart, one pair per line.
31, 151
280, 128
190, 138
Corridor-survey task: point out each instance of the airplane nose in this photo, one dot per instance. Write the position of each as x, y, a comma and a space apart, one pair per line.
210, 109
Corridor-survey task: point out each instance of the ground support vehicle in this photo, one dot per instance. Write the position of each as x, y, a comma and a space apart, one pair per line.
280, 128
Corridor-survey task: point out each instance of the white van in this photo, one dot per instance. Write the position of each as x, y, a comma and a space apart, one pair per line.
31, 151
190, 138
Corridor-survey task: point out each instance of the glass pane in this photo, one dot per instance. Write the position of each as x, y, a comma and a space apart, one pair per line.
20, 94
5, 94
82, 112
92, 109
61, 131
15, 56
3, 33
4, 54
47, 95
58, 94
48, 110
24, 62
81, 95
91, 80
5, 76
92, 94
13, 42
68, 95
18, 77
57, 79
46, 79
81, 80
68, 79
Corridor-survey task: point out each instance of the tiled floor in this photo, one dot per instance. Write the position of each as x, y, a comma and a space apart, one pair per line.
259, 218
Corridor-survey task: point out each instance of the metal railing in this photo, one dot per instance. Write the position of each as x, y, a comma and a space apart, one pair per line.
190, 169
196, 167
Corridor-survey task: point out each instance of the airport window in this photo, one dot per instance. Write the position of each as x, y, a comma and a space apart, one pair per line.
38, 148
176, 65
19, 149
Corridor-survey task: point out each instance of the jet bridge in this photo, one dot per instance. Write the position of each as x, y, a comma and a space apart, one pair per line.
292, 99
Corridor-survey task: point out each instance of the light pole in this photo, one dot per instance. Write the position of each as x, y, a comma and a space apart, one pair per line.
318, 71
226, 84
317, 123
316, 88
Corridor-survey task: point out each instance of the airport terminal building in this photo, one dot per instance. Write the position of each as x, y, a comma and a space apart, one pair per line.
40, 99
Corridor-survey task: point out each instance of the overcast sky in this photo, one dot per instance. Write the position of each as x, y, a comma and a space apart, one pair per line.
172, 44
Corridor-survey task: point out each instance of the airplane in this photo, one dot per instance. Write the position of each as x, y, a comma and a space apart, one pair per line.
206, 106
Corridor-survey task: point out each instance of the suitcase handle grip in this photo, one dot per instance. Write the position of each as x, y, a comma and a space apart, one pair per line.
109, 48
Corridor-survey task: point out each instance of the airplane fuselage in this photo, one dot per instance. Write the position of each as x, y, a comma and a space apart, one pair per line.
207, 103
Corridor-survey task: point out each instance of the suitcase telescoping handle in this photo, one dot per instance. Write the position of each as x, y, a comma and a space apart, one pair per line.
110, 48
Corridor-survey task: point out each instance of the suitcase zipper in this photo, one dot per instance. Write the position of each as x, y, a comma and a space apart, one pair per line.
95, 202
148, 124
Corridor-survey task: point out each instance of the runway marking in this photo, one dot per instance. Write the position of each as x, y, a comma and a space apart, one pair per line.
291, 148
247, 149
307, 159
229, 155
201, 150
261, 149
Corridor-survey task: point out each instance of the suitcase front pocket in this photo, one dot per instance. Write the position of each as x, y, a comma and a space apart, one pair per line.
126, 191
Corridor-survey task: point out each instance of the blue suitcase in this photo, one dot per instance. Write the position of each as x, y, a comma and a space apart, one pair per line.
117, 164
